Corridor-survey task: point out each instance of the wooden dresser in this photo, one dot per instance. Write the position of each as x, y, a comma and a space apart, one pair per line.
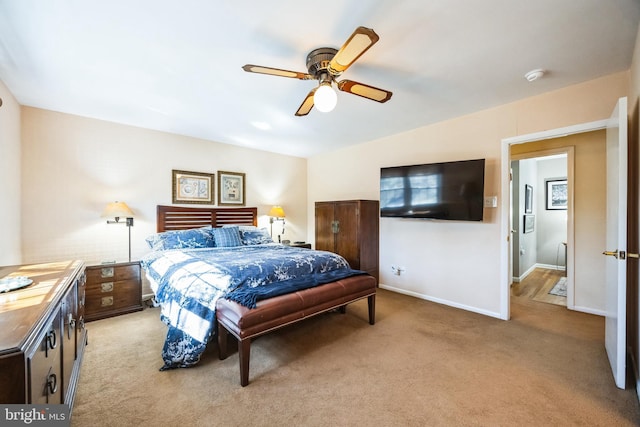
42, 334
350, 228
113, 289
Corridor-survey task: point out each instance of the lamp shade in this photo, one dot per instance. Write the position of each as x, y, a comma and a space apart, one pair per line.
277, 212
117, 210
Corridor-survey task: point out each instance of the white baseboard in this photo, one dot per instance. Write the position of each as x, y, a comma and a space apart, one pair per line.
589, 310
550, 266
525, 274
533, 267
441, 301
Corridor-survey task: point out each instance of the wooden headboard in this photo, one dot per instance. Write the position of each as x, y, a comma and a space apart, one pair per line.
183, 218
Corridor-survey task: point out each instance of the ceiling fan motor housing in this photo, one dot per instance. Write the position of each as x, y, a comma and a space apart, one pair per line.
318, 60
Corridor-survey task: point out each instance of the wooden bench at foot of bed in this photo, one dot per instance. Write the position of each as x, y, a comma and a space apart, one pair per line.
274, 313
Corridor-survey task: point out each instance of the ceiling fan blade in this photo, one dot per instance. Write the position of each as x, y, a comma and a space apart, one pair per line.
306, 105
250, 68
365, 91
361, 40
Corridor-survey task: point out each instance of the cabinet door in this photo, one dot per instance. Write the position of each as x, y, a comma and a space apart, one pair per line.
347, 244
69, 316
325, 240
45, 376
368, 229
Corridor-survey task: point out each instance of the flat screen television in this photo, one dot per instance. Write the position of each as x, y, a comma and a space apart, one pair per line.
448, 191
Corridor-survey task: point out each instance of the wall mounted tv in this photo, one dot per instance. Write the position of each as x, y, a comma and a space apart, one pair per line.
448, 191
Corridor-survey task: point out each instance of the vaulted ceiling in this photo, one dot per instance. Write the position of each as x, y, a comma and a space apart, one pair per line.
177, 66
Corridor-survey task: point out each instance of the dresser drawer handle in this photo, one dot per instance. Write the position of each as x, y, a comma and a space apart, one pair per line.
51, 342
71, 325
107, 301
107, 272
52, 383
106, 287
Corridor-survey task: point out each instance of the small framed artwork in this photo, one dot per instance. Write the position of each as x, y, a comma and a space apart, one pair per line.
192, 187
529, 223
556, 194
528, 199
231, 187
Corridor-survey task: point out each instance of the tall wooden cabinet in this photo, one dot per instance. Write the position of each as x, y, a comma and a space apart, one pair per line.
350, 228
43, 334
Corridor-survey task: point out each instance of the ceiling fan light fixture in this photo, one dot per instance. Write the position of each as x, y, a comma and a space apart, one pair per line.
325, 98
325, 64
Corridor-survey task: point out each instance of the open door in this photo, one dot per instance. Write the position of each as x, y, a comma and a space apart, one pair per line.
616, 265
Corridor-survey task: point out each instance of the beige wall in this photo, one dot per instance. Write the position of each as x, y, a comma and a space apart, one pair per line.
73, 166
10, 178
455, 263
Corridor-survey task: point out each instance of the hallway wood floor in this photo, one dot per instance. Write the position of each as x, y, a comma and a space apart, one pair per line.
537, 284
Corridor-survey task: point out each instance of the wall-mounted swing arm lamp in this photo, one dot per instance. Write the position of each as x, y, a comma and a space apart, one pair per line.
117, 210
277, 214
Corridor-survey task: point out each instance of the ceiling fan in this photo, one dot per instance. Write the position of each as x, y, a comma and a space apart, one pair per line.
325, 64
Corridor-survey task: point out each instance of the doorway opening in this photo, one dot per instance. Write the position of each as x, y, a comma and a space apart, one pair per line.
520, 146
540, 226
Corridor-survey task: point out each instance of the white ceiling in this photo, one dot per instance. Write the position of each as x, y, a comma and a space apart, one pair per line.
175, 66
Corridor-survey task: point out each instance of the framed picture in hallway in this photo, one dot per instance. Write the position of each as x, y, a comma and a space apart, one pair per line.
529, 223
528, 199
556, 194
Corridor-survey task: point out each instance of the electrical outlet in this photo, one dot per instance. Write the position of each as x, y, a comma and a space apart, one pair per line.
397, 270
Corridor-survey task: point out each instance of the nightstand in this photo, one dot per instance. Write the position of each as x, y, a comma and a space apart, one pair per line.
113, 289
301, 245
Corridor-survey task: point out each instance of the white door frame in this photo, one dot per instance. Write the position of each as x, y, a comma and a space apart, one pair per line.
505, 280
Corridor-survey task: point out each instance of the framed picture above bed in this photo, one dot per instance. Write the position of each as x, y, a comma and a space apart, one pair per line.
192, 187
231, 188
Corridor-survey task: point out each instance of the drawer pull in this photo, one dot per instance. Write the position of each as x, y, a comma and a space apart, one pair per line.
107, 301
52, 383
107, 272
51, 341
71, 325
106, 287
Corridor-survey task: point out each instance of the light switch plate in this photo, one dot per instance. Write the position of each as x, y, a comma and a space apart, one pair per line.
491, 202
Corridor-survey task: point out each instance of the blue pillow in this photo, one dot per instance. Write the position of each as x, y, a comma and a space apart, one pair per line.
254, 236
182, 239
226, 236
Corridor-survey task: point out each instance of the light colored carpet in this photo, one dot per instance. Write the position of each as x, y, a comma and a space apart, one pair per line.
421, 364
560, 288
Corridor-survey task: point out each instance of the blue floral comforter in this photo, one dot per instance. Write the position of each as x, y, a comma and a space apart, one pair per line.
188, 282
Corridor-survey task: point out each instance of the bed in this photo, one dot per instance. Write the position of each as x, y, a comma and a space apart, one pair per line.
201, 255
